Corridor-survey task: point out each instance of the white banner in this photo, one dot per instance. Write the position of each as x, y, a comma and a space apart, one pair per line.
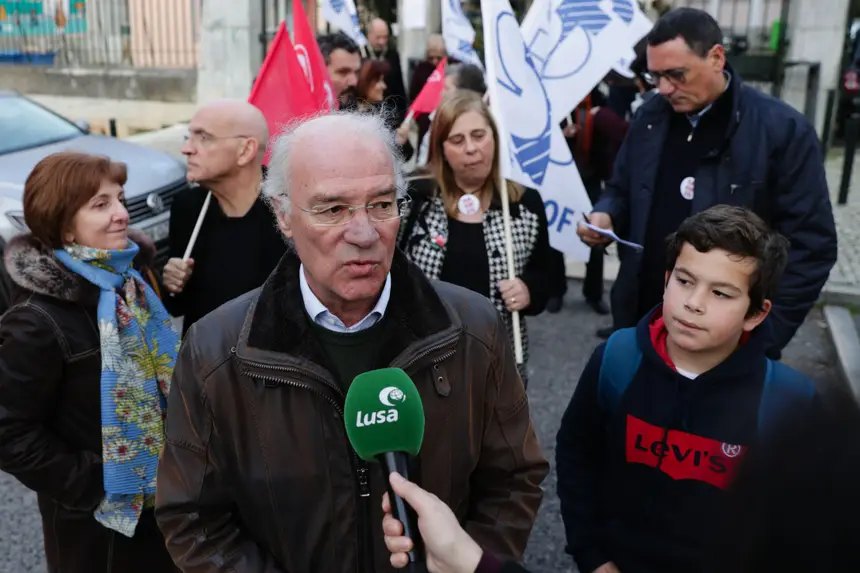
343, 15
458, 33
532, 147
575, 43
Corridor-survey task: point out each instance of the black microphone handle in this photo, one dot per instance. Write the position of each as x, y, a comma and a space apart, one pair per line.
399, 462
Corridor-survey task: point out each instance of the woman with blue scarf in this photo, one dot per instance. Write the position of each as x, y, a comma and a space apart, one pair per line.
86, 357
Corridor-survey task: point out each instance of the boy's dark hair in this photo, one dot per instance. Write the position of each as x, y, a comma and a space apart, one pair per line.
740, 232
328, 43
698, 28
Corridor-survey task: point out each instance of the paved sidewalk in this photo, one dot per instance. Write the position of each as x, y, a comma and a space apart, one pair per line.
844, 283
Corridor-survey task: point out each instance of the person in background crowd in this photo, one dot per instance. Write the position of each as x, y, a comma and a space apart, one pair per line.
664, 413
642, 78
239, 244
342, 302
371, 84
454, 230
343, 60
85, 363
457, 77
379, 48
709, 140
434, 53
370, 92
812, 507
594, 134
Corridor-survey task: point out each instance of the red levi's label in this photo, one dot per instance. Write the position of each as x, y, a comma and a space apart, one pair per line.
682, 456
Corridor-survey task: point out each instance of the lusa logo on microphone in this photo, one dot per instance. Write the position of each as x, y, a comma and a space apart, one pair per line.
390, 397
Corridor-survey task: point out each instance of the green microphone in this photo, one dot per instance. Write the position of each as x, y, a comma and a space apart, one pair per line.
385, 424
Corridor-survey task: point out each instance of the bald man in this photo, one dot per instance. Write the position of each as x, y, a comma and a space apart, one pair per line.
238, 244
380, 48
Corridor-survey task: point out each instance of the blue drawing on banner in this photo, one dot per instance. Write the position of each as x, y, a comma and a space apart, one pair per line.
562, 21
531, 153
559, 216
337, 6
623, 9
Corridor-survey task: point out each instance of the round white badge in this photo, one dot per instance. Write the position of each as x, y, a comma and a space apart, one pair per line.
688, 188
469, 204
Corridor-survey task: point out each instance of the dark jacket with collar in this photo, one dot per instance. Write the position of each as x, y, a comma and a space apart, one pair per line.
257, 474
769, 161
50, 412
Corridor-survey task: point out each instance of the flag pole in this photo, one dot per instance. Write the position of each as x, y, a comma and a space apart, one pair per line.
509, 257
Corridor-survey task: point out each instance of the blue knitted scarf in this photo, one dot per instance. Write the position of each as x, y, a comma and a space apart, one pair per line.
138, 352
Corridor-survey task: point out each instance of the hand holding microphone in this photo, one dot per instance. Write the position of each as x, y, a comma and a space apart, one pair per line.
449, 547
384, 420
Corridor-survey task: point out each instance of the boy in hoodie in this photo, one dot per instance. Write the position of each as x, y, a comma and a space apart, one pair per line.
665, 412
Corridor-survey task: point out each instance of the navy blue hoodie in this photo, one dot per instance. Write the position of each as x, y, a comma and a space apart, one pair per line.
644, 486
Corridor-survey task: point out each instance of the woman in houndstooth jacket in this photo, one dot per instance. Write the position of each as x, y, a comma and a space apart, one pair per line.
454, 229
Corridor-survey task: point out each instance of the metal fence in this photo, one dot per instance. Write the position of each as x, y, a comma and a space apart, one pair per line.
755, 20
100, 33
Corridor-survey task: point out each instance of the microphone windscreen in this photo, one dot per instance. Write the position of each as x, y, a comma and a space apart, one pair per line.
383, 413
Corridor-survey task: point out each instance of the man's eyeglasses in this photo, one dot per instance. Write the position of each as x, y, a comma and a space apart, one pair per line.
676, 77
203, 138
377, 211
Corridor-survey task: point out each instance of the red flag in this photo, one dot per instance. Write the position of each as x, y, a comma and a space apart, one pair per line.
311, 59
281, 91
431, 94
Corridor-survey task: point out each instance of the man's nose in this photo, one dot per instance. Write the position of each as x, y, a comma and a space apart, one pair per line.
187, 148
665, 87
352, 80
360, 230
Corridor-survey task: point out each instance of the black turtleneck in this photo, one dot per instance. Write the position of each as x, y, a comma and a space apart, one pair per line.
683, 150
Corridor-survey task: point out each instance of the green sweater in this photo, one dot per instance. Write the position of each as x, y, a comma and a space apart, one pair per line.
350, 354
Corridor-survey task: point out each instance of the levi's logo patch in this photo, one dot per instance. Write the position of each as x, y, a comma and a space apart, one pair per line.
682, 456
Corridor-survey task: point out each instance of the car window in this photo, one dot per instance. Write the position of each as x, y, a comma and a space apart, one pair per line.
25, 125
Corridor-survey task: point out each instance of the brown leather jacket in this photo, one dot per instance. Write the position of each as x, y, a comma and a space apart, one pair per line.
258, 475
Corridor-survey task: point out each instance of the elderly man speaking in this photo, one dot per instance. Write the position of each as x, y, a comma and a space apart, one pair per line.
257, 474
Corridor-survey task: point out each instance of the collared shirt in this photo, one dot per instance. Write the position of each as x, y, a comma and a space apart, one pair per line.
694, 118
321, 315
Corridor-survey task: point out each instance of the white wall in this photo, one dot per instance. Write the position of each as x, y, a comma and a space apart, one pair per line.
230, 50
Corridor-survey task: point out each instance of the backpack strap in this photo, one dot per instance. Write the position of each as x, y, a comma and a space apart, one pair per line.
621, 358
784, 388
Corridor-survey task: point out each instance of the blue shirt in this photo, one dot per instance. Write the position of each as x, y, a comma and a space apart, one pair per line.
322, 317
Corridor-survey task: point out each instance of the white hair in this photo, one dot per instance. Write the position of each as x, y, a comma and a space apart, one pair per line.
360, 125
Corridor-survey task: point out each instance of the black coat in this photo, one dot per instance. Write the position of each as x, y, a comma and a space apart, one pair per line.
50, 414
770, 162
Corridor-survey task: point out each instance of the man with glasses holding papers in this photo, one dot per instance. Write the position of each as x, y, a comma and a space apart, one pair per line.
711, 139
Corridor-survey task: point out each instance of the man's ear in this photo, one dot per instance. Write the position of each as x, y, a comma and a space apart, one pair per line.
285, 223
247, 151
753, 320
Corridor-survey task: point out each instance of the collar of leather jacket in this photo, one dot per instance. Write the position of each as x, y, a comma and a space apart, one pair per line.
277, 332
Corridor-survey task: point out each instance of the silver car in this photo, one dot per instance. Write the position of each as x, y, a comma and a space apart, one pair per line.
31, 132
